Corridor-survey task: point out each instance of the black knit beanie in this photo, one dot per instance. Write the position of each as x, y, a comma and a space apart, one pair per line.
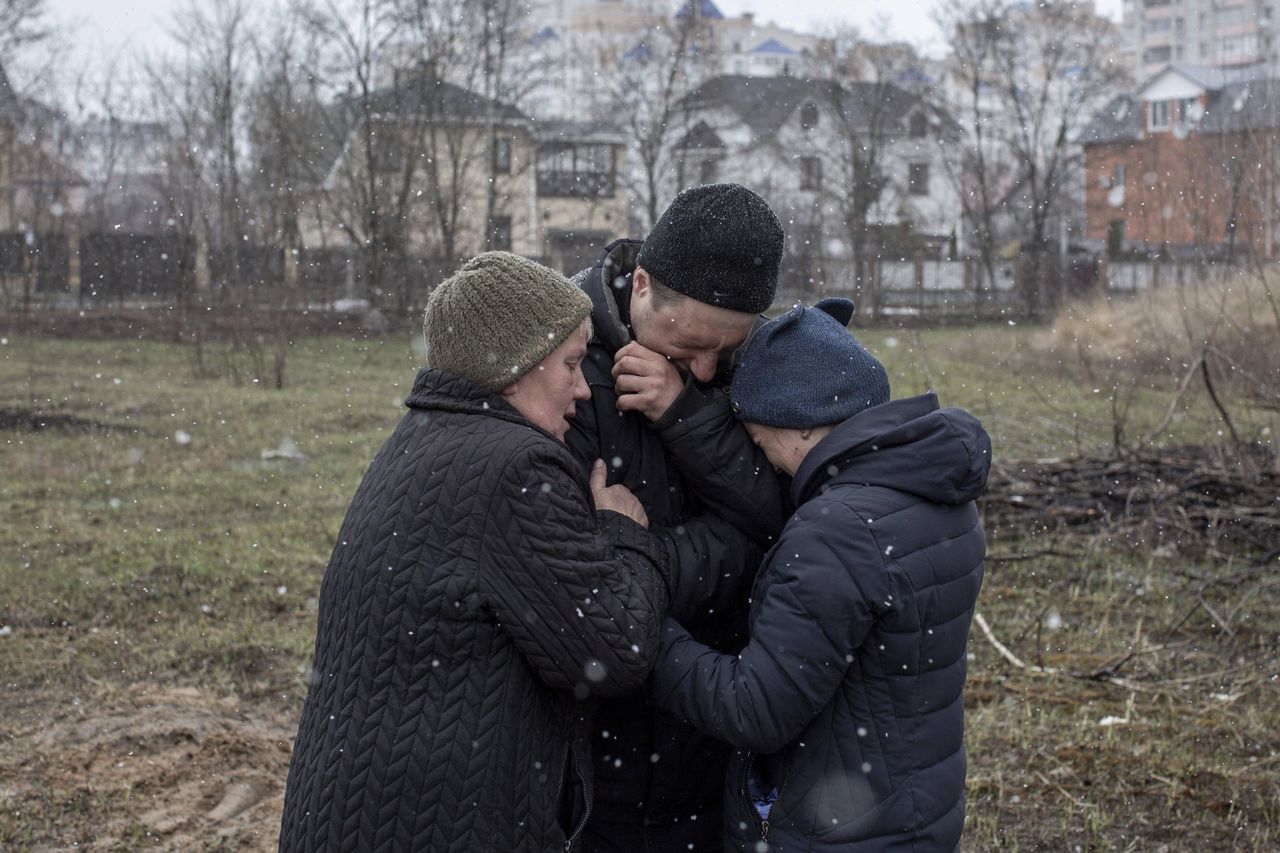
720, 244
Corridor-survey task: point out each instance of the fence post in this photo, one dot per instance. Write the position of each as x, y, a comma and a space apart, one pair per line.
968, 284
917, 264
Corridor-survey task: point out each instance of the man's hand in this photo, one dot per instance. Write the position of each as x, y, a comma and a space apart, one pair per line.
645, 381
617, 498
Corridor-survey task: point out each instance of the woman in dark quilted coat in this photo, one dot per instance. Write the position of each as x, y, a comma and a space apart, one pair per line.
480, 588
846, 705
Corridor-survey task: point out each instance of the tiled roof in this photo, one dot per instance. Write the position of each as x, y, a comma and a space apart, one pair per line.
765, 103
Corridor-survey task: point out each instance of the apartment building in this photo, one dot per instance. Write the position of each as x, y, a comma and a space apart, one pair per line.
1198, 32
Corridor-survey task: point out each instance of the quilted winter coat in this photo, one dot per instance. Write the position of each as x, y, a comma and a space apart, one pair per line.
848, 697
703, 483
472, 597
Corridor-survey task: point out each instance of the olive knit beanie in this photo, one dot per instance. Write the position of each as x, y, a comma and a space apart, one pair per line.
498, 316
720, 244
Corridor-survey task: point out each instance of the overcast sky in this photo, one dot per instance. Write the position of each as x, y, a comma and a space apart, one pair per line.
108, 24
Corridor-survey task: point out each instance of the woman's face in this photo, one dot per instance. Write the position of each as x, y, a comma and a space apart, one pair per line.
548, 394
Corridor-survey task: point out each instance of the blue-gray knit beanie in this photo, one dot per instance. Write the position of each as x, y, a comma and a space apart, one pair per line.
804, 369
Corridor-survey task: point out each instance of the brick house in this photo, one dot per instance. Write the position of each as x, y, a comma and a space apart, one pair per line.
1187, 163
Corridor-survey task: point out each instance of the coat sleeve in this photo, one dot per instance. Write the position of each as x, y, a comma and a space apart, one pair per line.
814, 615
721, 464
710, 560
581, 593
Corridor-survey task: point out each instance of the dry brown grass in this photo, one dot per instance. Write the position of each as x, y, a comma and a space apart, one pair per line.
1159, 336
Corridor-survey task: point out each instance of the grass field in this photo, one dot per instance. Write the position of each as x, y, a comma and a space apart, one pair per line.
160, 575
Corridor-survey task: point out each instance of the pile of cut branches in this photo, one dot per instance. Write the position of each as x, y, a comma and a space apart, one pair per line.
1195, 499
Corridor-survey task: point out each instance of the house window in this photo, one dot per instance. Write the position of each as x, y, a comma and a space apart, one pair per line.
1183, 109
919, 126
707, 170
1157, 54
810, 173
1158, 118
387, 152
575, 170
1117, 175
1232, 17
918, 179
808, 117
500, 233
501, 155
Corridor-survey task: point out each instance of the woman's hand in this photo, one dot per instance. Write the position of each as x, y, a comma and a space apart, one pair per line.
617, 498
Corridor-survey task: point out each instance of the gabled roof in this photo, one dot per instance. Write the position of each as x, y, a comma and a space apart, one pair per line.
707, 10
424, 95
1213, 78
545, 34
765, 103
773, 46
1243, 103
640, 53
701, 138
1119, 121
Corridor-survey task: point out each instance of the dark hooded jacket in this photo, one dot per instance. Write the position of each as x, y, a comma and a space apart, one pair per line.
715, 504
473, 595
848, 697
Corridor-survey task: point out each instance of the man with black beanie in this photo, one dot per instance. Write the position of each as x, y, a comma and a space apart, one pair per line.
669, 313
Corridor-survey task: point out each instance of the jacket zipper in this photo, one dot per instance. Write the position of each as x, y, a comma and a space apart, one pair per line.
746, 788
586, 794
746, 793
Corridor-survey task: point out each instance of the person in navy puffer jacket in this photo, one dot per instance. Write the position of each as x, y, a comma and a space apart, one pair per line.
846, 707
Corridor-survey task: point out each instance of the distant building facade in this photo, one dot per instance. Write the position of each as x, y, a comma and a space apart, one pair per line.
555, 186
1198, 32
1188, 162
791, 140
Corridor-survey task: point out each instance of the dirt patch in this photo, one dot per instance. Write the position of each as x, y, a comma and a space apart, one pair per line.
177, 769
28, 420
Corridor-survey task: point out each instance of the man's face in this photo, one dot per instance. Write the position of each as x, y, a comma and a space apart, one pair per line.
547, 394
691, 333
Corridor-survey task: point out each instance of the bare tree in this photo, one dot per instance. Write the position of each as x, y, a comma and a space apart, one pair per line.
23, 23
977, 169
869, 111
1056, 70
646, 74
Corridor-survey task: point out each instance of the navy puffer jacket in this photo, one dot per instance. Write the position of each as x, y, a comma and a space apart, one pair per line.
848, 697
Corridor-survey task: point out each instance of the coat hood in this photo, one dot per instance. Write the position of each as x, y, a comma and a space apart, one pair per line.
912, 445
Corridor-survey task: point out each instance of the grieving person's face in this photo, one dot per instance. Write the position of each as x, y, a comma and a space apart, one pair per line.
786, 448
691, 333
547, 394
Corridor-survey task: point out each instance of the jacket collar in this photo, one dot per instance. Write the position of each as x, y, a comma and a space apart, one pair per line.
912, 445
447, 392
608, 283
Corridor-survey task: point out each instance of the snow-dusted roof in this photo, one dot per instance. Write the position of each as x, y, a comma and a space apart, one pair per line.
707, 10
772, 46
